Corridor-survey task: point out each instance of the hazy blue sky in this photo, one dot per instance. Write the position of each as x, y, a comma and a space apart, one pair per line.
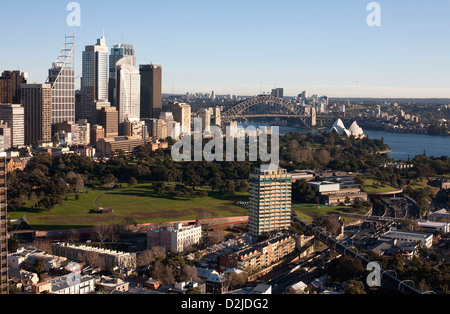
247, 46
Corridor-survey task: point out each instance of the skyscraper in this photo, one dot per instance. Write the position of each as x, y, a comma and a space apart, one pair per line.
62, 80
4, 287
157, 129
94, 82
128, 89
278, 92
108, 118
205, 115
5, 136
270, 201
36, 100
217, 116
14, 115
151, 90
117, 52
10, 82
168, 118
182, 114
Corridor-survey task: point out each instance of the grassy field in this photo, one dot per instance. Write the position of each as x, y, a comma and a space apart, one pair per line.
309, 212
139, 203
421, 184
370, 187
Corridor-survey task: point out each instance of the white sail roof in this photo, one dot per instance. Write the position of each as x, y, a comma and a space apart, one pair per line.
339, 127
354, 130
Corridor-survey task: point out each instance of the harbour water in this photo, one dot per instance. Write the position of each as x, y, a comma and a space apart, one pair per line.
403, 145
406, 145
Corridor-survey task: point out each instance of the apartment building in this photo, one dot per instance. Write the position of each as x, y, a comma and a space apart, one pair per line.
270, 201
65, 285
110, 258
261, 255
176, 238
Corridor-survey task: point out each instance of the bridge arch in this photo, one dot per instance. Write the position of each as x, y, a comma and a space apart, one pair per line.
292, 110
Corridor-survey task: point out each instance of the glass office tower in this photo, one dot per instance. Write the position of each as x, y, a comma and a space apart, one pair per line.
128, 89
94, 82
117, 52
62, 80
151, 91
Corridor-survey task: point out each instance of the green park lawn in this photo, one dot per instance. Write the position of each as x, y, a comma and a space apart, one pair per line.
370, 186
140, 204
309, 212
422, 184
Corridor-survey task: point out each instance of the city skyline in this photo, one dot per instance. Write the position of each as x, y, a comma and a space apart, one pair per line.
249, 47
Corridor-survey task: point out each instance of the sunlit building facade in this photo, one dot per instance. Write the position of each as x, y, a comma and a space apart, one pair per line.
270, 201
62, 80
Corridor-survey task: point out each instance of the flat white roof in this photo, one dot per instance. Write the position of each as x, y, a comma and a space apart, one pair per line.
397, 233
433, 223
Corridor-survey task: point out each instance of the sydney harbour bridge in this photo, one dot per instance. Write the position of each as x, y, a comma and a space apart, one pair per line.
265, 106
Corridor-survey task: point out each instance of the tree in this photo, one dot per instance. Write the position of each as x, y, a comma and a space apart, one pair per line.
216, 236
216, 181
101, 233
43, 246
237, 279
302, 192
159, 252
332, 224
75, 180
74, 236
47, 203
133, 182
190, 274
37, 178
228, 188
242, 186
323, 157
38, 266
163, 273
33, 197
160, 188
345, 268
109, 180
146, 258
193, 180
355, 287
93, 259
115, 231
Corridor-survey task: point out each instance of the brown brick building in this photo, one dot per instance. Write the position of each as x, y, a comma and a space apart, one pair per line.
36, 100
260, 256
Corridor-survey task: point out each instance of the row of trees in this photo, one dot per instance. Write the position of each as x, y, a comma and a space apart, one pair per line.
330, 151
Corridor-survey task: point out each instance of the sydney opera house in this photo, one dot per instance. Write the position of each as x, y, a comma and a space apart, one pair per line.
354, 130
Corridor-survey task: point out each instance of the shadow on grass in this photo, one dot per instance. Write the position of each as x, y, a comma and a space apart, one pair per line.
147, 190
59, 227
30, 210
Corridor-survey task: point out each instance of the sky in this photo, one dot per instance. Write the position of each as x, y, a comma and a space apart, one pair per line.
246, 47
